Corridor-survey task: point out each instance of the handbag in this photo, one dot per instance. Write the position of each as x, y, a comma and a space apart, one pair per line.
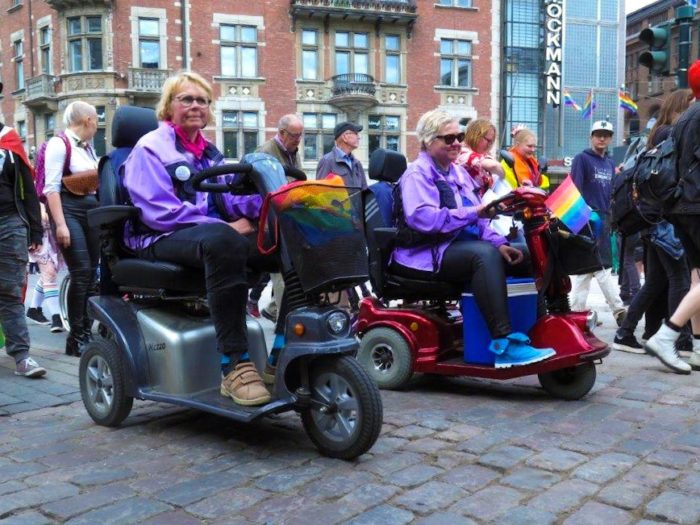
81, 184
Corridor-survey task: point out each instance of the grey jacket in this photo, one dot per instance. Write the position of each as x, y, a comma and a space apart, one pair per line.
333, 162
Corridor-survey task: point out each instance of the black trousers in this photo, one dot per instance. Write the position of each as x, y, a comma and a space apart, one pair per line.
81, 258
480, 265
224, 255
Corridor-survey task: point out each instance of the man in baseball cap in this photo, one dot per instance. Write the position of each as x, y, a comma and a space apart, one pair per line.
602, 125
340, 160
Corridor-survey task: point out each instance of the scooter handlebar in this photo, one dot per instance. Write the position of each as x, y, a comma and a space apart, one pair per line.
238, 182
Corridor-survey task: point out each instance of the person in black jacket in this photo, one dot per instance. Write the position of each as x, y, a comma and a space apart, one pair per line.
20, 227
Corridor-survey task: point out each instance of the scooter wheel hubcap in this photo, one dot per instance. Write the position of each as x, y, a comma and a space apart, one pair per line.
382, 357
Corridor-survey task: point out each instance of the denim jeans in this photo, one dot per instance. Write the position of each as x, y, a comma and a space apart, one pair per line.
13, 275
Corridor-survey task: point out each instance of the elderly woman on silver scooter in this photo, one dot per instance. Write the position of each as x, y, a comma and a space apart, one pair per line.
445, 236
176, 224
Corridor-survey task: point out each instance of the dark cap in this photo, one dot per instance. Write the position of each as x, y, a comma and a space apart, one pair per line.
343, 127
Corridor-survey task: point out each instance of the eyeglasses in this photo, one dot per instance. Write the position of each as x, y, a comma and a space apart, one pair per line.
188, 100
449, 139
294, 135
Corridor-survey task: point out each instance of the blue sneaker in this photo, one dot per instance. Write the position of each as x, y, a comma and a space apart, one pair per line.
517, 351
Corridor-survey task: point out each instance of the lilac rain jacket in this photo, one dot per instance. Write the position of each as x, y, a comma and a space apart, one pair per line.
152, 176
421, 204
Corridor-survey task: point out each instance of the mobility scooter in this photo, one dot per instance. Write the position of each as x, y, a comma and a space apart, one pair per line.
428, 332
156, 341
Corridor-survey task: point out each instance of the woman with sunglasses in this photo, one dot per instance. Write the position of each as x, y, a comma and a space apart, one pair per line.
476, 157
177, 225
449, 239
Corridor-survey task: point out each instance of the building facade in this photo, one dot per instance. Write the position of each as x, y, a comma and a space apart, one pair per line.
381, 63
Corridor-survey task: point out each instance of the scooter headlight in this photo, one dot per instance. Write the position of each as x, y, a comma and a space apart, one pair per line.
337, 323
592, 320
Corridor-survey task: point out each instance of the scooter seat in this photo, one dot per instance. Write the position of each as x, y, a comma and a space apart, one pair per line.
157, 275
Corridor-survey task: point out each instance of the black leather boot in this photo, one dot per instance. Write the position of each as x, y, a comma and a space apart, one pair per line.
74, 345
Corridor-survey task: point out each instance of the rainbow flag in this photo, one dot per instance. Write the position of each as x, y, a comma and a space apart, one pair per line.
568, 205
589, 105
569, 101
627, 103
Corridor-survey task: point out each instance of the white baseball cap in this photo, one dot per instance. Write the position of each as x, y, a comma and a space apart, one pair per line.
601, 125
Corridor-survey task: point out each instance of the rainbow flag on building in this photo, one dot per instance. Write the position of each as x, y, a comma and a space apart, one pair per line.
567, 203
589, 105
569, 101
627, 103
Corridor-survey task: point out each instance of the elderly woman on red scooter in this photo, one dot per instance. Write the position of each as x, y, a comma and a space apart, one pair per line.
445, 235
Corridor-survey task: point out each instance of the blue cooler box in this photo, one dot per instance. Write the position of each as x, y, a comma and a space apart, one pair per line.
522, 308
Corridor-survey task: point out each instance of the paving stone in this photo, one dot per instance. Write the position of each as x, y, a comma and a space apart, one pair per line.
336, 485
625, 495
274, 510
426, 445
481, 443
387, 444
383, 515
11, 486
366, 496
650, 475
68, 507
636, 447
527, 516
414, 475
36, 496
190, 491
688, 483
481, 505
605, 467
172, 518
429, 497
594, 513
413, 432
470, 477
530, 479
445, 518
101, 477
228, 503
557, 459
131, 510
457, 433
505, 457
288, 479
675, 507
677, 459
20, 470
326, 513
564, 496
388, 463
26, 518
438, 424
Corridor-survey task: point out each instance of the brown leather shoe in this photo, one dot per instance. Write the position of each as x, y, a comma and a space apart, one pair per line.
245, 386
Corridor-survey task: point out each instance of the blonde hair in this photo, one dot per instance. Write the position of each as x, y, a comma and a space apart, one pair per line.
476, 130
522, 135
76, 112
429, 125
173, 84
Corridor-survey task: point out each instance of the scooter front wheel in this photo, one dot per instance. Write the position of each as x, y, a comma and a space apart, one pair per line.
569, 383
345, 416
102, 384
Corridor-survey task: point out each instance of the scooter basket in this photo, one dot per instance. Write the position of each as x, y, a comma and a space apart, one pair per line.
575, 254
320, 223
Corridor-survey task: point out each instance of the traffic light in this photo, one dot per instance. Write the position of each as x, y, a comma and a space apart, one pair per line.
658, 57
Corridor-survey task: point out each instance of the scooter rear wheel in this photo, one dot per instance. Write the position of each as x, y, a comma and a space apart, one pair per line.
102, 384
386, 357
63, 301
569, 383
345, 417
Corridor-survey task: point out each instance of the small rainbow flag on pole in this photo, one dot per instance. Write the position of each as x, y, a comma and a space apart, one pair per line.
627, 103
568, 205
589, 106
569, 101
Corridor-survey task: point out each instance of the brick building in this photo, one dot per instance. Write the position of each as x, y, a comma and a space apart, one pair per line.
379, 62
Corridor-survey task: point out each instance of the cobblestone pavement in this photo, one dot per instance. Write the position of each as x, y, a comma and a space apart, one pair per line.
452, 451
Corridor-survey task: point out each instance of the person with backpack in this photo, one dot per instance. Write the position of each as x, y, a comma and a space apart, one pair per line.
444, 235
70, 171
20, 227
684, 214
592, 172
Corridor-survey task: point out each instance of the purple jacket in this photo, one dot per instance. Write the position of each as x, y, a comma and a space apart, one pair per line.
149, 173
421, 204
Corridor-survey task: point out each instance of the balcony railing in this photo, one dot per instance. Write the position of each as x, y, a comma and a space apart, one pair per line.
353, 84
147, 80
381, 5
40, 89
60, 5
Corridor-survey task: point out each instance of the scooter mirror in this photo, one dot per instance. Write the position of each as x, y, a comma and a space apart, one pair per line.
507, 157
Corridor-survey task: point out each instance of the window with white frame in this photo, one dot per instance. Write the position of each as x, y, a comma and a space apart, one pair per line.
49, 125
85, 36
318, 134
45, 49
99, 141
149, 43
22, 130
309, 54
384, 132
240, 131
455, 3
455, 63
392, 59
239, 50
351, 52
18, 49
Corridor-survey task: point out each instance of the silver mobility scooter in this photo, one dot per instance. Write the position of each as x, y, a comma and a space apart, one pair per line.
156, 341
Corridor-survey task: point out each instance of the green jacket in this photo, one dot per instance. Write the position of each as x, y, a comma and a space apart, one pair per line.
272, 147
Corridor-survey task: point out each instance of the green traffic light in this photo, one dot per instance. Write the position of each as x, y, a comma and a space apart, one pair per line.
657, 57
654, 36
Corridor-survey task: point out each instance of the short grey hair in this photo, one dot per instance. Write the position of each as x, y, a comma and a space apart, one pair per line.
286, 120
77, 111
429, 125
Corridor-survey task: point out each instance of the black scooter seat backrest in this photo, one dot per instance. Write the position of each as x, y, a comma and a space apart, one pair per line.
386, 165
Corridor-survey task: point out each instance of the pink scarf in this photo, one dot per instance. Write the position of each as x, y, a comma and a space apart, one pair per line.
195, 147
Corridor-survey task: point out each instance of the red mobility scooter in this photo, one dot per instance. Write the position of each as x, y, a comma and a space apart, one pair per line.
418, 326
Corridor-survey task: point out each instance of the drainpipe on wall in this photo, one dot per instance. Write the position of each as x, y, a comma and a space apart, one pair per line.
31, 70
185, 16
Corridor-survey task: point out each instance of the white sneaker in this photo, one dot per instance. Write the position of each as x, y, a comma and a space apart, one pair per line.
663, 345
694, 360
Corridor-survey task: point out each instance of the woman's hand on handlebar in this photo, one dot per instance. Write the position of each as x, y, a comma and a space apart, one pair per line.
511, 255
486, 211
243, 226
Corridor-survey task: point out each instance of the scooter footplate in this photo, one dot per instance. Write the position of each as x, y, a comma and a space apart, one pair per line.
212, 401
